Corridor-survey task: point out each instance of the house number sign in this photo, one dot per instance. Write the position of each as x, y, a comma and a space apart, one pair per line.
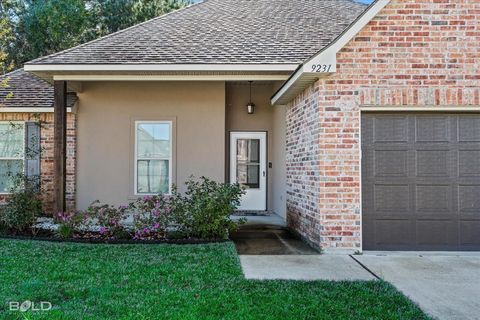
321, 67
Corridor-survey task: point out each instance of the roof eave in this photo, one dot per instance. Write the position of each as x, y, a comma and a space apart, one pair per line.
324, 62
92, 68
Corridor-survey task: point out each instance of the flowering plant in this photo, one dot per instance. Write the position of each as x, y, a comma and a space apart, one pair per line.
69, 222
109, 219
152, 215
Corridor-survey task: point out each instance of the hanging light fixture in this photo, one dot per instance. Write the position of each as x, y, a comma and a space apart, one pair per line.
250, 105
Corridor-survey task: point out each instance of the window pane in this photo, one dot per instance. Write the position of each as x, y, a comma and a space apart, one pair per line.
8, 168
152, 176
248, 175
153, 140
248, 150
11, 140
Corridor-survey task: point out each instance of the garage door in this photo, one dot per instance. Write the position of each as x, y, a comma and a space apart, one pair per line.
421, 181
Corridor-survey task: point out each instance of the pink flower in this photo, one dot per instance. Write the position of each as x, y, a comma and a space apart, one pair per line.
103, 230
156, 226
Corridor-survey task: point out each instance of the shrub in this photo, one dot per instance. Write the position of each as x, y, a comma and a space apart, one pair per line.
152, 215
109, 219
206, 209
24, 204
70, 222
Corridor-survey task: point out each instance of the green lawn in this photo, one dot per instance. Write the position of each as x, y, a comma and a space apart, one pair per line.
174, 282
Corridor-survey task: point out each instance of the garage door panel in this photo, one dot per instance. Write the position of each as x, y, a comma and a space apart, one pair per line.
437, 233
468, 163
390, 129
433, 163
432, 129
391, 198
469, 200
469, 128
433, 199
421, 181
398, 233
391, 163
470, 233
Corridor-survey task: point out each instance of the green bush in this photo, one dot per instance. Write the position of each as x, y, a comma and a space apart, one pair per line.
206, 208
24, 204
109, 219
152, 215
203, 212
70, 222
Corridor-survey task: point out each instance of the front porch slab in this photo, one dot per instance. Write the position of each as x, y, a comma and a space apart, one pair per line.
303, 267
269, 240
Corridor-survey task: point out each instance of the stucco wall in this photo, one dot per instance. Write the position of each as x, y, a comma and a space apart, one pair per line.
106, 114
414, 53
266, 118
279, 192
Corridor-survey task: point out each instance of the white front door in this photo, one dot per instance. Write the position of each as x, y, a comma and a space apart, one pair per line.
248, 167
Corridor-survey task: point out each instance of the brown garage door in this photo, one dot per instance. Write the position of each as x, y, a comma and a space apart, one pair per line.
421, 181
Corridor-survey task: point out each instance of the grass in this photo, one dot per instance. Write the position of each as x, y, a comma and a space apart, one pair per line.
84, 281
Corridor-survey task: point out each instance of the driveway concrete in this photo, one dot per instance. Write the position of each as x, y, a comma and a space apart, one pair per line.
303, 267
444, 285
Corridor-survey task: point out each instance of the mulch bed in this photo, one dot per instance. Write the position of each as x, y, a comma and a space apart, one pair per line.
47, 235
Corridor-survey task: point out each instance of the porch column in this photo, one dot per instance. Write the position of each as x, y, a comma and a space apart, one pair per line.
60, 145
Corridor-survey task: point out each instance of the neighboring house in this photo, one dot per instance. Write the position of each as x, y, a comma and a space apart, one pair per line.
366, 130
26, 134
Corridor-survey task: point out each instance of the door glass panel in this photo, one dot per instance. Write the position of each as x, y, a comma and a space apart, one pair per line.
248, 163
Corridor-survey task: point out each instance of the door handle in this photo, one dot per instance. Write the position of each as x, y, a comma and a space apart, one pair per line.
264, 174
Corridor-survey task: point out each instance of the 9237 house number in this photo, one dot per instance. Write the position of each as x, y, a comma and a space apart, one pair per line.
321, 67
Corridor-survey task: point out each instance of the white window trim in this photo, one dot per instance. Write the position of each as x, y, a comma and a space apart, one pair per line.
170, 160
23, 148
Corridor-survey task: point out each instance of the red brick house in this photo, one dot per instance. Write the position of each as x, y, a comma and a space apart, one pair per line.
365, 132
29, 111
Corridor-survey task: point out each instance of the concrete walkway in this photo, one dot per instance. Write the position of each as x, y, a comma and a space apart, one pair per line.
269, 240
303, 267
444, 285
270, 251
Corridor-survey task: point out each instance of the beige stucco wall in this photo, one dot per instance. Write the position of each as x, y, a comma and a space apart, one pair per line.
106, 114
264, 119
279, 171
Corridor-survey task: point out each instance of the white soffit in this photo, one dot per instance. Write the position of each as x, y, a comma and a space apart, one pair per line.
324, 62
52, 68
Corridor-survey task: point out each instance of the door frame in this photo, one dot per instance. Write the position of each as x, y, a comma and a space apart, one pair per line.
228, 159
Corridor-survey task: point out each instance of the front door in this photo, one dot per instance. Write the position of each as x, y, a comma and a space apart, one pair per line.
248, 167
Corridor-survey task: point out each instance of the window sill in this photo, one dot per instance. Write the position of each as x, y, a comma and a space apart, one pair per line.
139, 196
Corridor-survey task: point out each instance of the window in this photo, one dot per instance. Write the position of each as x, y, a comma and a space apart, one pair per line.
12, 154
153, 157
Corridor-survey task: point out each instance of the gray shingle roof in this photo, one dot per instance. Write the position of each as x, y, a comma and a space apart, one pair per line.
222, 31
29, 91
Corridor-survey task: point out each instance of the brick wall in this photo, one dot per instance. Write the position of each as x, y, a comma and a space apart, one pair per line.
303, 182
46, 159
413, 53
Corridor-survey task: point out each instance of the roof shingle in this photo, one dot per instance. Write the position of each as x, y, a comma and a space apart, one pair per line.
223, 32
29, 91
